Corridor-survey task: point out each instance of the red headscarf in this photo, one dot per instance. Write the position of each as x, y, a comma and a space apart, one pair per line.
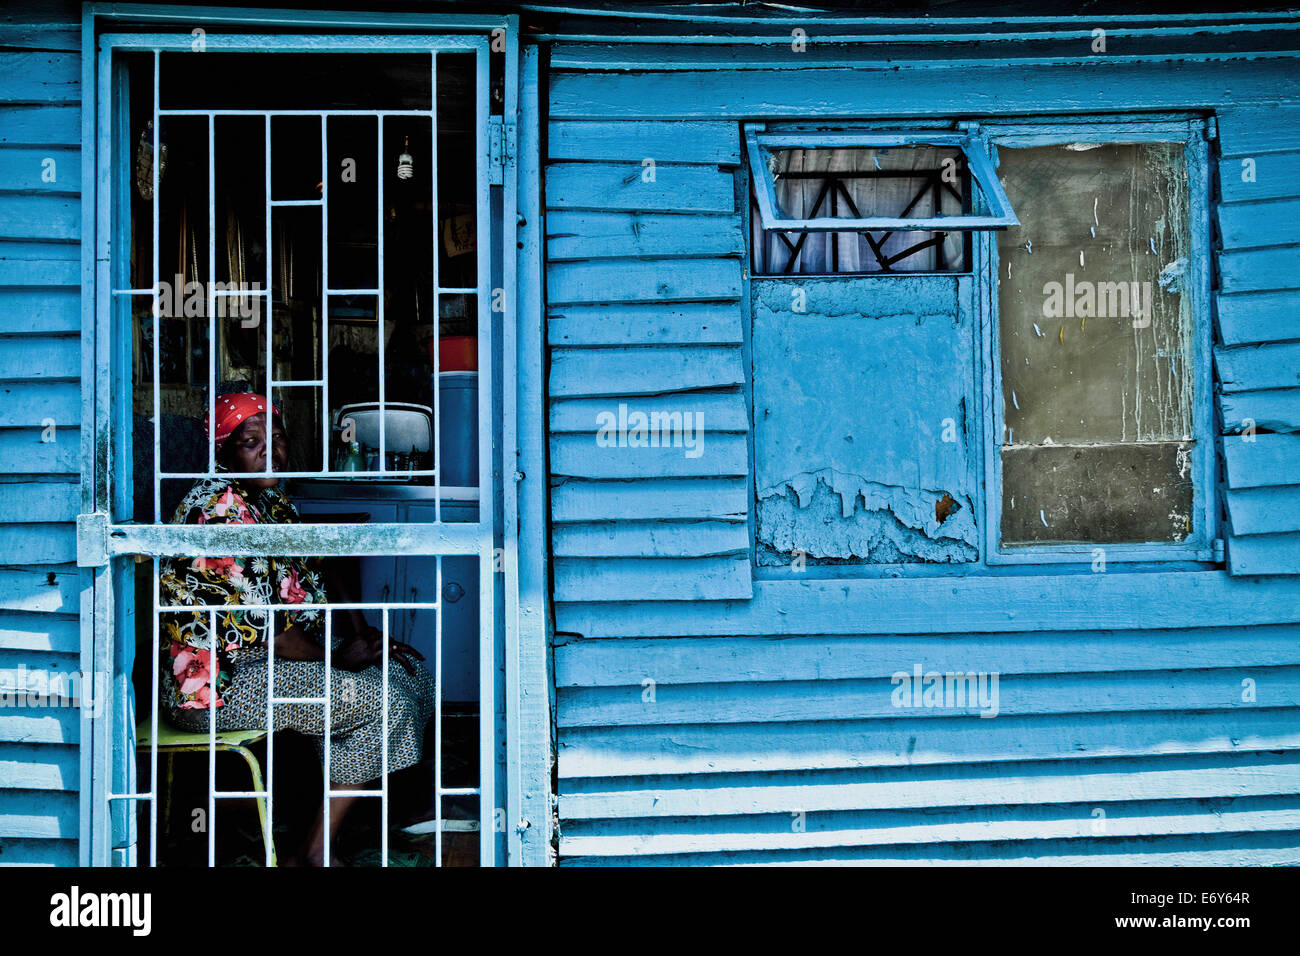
232, 410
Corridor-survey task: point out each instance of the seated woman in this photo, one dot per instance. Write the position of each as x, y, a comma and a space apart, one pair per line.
242, 435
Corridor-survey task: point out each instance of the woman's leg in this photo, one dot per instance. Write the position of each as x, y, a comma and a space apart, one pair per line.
312, 852
356, 723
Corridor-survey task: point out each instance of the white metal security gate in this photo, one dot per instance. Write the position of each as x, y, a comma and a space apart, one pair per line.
106, 536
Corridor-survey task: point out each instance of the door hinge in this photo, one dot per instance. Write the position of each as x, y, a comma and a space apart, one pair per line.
501, 149
92, 540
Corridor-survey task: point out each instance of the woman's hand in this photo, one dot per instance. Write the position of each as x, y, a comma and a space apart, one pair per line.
354, 653
366, 649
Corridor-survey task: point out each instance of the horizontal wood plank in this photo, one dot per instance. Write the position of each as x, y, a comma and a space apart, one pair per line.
653, 579
1012, 696
1250, 179
39, 404
627, 661
641, 280
38, 543
55, 633
632, 142
45, 170
45, 357
650, 539
634, 187
45, 501
38, 815
55, 219
39, 853
40, 77
1202, 850
25, 32
1252, 367
723, 410
923, 828
910, 44
604, 235
1264, 510
579, 456
774, 747
39, 311
1265, 554
1082, 602
36, 451
1087, 779
988, 88
1247, 131
646, 498
1255, 461
19, 272
1275, 410
40, 125
1252, 225
615, 372
1260, 270
1258, 317
44, 590
653, 323
38, 767
40, 725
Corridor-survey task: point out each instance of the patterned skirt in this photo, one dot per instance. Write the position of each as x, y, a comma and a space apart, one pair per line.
355, 736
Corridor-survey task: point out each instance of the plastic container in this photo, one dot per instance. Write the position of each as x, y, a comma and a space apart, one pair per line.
458, 428
456, 353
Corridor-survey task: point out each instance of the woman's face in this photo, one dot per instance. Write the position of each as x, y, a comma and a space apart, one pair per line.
245, 449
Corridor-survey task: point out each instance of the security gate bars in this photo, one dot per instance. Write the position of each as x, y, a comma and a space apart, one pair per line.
104, 537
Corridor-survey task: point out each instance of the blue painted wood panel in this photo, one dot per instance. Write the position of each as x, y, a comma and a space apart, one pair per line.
861, 388
1275, 410
960, 89
769, 700
1259, 317
644, 279
40, 415
1259, 365
1143, 717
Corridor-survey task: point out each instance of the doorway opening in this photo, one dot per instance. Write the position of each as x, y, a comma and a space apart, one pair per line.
301, 275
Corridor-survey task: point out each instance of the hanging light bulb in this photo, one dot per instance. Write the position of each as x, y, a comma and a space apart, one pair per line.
405, 164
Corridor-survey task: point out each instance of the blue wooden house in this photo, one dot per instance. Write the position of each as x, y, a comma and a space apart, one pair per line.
888, 426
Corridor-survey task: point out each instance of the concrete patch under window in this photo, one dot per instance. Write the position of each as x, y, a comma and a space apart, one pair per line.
862, 390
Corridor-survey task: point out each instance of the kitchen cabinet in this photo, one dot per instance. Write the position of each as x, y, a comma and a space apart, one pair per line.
400, 579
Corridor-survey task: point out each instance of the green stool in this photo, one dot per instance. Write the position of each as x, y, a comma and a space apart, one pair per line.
172, 741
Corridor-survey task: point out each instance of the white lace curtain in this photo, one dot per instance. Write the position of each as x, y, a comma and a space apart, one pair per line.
872, 196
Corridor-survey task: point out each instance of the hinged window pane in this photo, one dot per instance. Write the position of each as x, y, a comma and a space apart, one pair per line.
857, 203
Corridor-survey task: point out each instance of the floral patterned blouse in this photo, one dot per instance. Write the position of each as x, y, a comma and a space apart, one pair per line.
227, 583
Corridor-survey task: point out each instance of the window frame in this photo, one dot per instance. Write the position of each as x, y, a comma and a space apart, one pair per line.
986, 420
1190, 132
759, 142
106, 536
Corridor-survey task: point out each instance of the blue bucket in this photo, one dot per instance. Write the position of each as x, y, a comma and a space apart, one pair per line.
458, 428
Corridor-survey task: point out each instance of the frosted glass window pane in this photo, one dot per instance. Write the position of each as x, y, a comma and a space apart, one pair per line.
1095, 325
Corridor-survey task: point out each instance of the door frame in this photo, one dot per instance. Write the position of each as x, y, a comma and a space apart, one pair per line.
520, 772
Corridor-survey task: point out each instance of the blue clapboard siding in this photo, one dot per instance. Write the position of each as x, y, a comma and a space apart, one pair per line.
40, 413
770, 742
1258, 356
644, 279
1143, 718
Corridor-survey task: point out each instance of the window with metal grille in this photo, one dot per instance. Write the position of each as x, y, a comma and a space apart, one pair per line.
980, 367
856, 203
